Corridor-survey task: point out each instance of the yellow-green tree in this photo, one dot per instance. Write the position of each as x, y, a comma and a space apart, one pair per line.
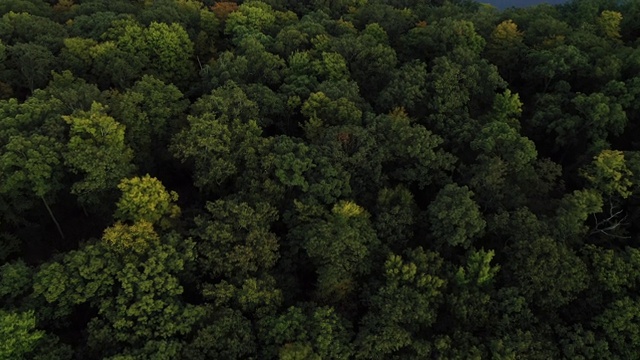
146, 199
609, 174
609, 23
97, 152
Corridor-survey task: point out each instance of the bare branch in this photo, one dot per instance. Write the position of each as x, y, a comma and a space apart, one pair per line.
611, 223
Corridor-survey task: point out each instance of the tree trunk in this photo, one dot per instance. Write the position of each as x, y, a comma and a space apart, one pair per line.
52, 217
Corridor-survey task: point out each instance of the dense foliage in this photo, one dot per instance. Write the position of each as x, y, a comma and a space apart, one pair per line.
346, 179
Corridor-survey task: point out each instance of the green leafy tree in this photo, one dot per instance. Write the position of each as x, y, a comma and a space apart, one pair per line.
614, 271
40, 113
151, 110
76, 56
131, 279
31, 7
170, 51
395, 215
507, 108
501, 140
32, 167
286, 169
74, 93
217, 147
162, 50
15, 280
281, 171
549, 273
288, 40
340, 244
478, 272
250, 19
332, 66
184, 12
25, 27
227, 66
558, 62
230, 101
306, 333
609, 174
235, 240
410, 152
204, 45
300, 79
459, 88
471, 291
578, 341
221, 137
227, 334
341, 111
505, 165
600, 116
406, 89
372, 58
403, 307
32, 64
5, 89
505, 47
146, 199
266, 68
137, 237
609, 23
272, 106
455, 218
114, 67
619, 324
256, 298
572, 212
395, 20
92, 24
97, 151
17, 334
441, 38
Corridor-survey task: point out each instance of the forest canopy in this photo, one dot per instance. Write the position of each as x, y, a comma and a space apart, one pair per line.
346, 179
